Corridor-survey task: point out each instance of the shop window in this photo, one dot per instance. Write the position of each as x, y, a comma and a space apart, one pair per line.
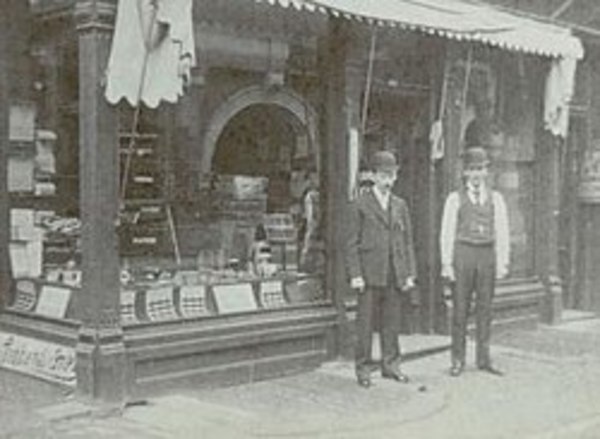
44, 243
245, 238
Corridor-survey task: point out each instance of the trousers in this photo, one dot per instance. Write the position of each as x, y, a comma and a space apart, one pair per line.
474, 269
381, 305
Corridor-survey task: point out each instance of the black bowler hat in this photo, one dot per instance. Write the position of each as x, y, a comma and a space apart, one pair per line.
475, 156
384, 161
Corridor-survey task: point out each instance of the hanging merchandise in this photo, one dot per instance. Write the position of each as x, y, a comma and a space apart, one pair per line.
436, 133
465, 90
156, 39
356, 145
559, 91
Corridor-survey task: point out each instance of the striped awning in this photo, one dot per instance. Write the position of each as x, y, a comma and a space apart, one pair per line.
466, 20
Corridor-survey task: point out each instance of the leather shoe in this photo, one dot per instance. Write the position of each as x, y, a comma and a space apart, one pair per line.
456, 370
364, 382
490, 369
396, 376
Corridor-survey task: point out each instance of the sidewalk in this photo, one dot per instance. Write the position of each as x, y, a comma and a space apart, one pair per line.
549, 392
21, 397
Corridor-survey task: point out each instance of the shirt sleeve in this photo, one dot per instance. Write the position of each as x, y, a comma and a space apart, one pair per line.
501, 226
448, 230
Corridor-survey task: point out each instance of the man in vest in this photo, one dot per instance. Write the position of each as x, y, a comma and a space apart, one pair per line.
381, 266
475, 244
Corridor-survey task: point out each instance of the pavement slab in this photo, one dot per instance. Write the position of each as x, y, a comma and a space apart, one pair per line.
549, 392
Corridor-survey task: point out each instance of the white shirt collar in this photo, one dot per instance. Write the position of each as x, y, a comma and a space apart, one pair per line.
483, 193
382, 199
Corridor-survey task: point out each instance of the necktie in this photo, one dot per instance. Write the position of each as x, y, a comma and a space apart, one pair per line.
477, 195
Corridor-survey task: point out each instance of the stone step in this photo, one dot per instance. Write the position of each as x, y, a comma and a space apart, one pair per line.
573, 315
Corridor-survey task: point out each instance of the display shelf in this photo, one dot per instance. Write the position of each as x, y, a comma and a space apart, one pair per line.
186, 297
28, 200
42, 297
145, 227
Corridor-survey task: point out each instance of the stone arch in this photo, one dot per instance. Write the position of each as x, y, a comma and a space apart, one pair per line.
303, 117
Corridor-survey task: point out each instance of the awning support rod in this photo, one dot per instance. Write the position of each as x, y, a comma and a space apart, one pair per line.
368, 82
465, 91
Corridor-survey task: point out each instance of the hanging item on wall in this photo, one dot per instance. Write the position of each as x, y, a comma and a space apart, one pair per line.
589, 186
560, 84
354, 153
152, 52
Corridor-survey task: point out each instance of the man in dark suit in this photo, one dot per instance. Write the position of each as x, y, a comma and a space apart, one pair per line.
381, 266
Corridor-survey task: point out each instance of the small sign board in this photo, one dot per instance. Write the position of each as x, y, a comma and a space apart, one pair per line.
22, 122
53, 301
234, 298
193, 301
128, 314
272, 294
160, 305
38, 358
589, 186
26, 295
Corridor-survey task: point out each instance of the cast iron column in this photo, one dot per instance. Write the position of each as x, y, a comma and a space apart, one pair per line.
100, 350
553, 309
335, 165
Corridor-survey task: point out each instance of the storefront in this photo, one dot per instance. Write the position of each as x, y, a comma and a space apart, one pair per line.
200, 241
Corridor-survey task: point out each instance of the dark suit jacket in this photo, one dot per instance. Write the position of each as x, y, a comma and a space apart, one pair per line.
372, 232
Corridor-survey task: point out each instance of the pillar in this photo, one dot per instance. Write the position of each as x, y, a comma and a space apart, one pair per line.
550, 227
5, 275
335, 136
100, 350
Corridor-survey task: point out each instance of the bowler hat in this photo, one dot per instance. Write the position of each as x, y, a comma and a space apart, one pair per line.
475, 156
384, 161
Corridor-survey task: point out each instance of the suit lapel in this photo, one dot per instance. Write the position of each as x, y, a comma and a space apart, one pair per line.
374, 205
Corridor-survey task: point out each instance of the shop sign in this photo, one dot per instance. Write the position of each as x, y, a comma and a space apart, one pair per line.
39, 358
589, 186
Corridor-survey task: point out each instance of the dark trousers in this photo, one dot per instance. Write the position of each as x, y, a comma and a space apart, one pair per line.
381, 304
474, 268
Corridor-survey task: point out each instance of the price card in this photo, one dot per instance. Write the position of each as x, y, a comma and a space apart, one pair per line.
53, 301
234, 298
271, 294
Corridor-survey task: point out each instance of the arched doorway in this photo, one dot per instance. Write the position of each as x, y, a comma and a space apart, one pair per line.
267, 140
297, 111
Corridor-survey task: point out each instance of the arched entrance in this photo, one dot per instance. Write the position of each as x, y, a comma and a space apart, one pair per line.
264, 141
292, 107
269, 133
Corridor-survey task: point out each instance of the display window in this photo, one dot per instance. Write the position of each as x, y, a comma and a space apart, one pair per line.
244, 237
44, 245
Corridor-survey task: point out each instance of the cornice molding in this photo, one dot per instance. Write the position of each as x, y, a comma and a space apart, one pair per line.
95, 15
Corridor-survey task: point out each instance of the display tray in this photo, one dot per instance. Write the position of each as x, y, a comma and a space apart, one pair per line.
176, 299
159, 301
41, 297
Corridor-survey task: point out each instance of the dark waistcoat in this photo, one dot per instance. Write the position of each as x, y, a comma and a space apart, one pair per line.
475, 222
